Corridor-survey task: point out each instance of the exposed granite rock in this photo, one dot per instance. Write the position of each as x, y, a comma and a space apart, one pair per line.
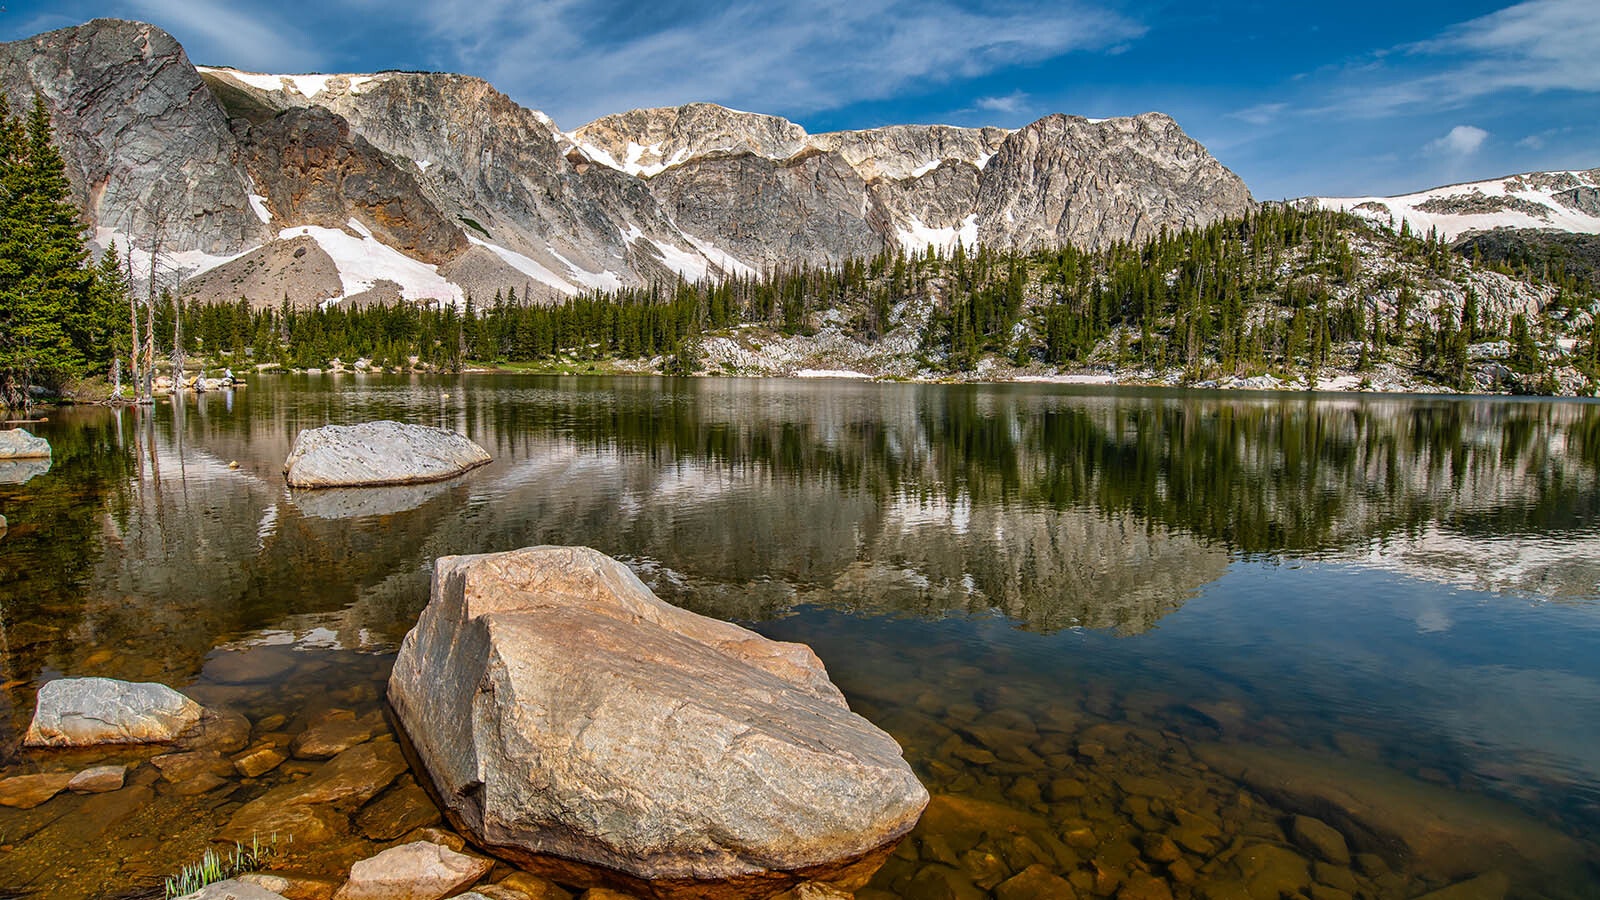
617, 739
808, 207
378, 453
233, 889
79, 712
414, 871
313, 171
147, 147
1067, 180
19, 443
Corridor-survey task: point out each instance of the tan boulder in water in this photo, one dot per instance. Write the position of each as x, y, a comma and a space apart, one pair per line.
378, 453
583, 728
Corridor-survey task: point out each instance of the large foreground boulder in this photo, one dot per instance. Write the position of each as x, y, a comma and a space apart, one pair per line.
80, 712
17, 443
374, 453
575, 724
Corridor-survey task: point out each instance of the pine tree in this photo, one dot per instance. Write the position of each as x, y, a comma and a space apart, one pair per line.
49, 324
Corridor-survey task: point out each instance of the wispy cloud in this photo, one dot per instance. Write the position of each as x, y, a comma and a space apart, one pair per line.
1010, 104
1260, 114
232, 33
1536, 46
1461, 141
582, 58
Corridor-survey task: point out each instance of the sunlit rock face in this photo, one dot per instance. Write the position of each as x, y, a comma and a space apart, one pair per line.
614, 738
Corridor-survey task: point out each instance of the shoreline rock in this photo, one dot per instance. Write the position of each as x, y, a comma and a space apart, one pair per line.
19, 443
378, 453
580, 727
81, 712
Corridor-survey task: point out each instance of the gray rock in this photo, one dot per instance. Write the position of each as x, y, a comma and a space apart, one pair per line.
147, 147
378, 453
232, 889
614, 736
416, 871
78, 712
18, 443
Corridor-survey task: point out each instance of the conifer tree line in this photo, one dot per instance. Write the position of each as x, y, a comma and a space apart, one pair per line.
1280, 289
60, 314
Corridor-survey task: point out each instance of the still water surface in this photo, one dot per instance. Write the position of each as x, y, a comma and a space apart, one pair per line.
1124, 637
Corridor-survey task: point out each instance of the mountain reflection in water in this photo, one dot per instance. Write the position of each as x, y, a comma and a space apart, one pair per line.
1405, 582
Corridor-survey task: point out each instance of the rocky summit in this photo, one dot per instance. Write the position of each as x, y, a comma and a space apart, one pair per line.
428, 186
579, 726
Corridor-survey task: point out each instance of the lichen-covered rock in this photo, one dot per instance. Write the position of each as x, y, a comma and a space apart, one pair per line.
579, 726
80, 712
19, 443
376, 453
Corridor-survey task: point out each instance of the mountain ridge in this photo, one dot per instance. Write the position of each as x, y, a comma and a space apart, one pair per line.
489, 192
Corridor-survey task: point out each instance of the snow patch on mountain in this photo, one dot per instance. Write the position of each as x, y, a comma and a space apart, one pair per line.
916, 237
1565, 201
363, 261
528, 266
307, 86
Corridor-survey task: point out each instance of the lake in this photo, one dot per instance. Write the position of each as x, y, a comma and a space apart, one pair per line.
1153, 644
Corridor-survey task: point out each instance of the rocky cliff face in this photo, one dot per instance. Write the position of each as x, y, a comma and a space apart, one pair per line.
147, 147
1554, 201
430, 186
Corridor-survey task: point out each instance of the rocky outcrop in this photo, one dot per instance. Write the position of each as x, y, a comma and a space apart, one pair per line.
313, 171
378, 453
80, 712
147, 147
611, 738
18, 443
1069, 180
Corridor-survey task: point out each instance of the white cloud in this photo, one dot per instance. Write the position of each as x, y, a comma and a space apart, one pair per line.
1260, 114
567, 58
1011, 103
1463, 140
1532, 142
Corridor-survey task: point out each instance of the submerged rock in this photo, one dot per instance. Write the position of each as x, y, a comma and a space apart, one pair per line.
28, 791
18, 443
1440, 832
98, 780
583, 728
79, 712
378, 453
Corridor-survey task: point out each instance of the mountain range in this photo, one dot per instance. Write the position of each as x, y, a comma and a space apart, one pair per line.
429, 186
435, 186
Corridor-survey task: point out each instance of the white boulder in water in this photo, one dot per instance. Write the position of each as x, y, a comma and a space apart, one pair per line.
19, 443
79, 712
374, 453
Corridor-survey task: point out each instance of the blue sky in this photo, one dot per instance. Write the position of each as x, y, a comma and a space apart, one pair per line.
1345, 98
